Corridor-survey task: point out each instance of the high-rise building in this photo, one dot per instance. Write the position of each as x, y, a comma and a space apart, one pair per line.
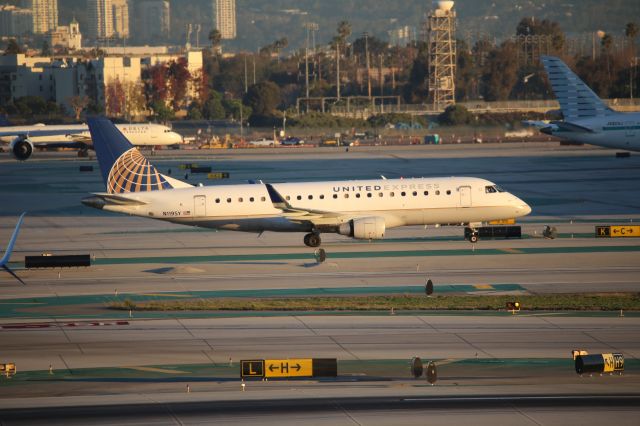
224, 15
120, 13
45, 15
99, 19
15, 21
155, 20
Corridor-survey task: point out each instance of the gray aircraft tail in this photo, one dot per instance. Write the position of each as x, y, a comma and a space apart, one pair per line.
576, 99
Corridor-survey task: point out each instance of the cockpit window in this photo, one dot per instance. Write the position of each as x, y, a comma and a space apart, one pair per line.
493, 189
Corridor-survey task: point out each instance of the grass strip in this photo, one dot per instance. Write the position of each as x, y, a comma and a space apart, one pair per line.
553, 302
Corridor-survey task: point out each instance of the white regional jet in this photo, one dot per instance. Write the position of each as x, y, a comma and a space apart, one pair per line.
22, 139
586, 118
359, 209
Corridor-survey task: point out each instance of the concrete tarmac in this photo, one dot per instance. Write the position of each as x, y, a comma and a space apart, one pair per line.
106, 367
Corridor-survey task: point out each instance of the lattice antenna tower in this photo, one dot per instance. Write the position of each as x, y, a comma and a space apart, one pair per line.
442, 54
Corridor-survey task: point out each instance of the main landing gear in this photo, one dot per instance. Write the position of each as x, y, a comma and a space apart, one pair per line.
312, 240
473, 236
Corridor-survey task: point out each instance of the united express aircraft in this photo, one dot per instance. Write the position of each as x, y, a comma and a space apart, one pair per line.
358, 209
586, 118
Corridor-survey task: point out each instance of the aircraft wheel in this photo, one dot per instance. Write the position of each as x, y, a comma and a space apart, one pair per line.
312, 240
473, 238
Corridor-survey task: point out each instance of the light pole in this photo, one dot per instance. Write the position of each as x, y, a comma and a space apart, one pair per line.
311, 27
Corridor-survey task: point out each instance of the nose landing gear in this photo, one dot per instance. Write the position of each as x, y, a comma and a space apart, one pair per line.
312, 240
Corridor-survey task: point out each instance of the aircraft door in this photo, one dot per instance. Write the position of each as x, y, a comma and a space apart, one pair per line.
200, 206
465, 196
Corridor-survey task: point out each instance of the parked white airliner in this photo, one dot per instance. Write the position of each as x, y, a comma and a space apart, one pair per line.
23, 139
358, 209
586, 117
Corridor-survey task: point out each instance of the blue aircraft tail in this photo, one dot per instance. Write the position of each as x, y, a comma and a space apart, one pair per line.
124, 169
7, 254
576, 99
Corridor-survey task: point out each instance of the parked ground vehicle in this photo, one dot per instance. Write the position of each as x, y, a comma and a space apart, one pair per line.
263, 142
292, 141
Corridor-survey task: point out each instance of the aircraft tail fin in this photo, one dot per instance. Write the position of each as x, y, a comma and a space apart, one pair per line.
7, 254
124, 169
576, 99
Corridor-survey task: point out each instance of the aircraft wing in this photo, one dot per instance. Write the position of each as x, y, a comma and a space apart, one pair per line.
296, 214
99, 200
38, 131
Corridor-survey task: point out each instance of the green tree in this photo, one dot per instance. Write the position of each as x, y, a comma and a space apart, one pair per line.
13, 48
466, 76
263, 98
215, 38
631, 32
162, 112
500, 73
233, 108
455, 115
212, 109
344, 31
46, 49
194, 112
536, 27
376, 46
606, 43
416, 90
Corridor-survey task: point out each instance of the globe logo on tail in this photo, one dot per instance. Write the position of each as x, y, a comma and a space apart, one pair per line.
133, 173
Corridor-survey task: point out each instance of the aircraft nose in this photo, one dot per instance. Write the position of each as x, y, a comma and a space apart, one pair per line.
522, 208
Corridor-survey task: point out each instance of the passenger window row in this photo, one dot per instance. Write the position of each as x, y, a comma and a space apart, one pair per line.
241, 200
335, 196
368, 195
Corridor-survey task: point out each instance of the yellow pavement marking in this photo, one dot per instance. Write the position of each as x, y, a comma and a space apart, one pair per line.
484, 287
512, 251
158, 370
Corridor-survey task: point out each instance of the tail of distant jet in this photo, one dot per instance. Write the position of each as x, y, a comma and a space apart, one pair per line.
124, 169
576, 99
7, 254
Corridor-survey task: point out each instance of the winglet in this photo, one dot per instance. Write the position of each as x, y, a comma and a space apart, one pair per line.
277, 199
12, 242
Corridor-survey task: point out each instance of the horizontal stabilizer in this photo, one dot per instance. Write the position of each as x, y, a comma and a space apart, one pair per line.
571, 127
98, 201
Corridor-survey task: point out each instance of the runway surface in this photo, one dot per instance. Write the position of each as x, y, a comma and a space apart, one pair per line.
410, 410
106, 360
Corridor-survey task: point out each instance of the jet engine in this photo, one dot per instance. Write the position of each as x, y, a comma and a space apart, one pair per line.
366, 228
21, 149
